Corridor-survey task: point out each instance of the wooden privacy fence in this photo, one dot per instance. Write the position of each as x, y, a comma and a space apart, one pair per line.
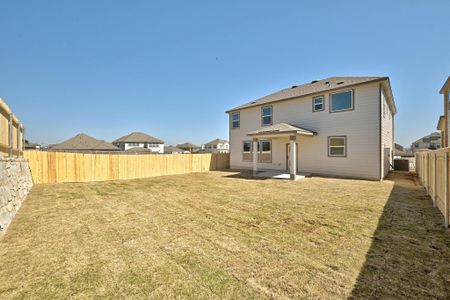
56, 167
11, 133
432, 168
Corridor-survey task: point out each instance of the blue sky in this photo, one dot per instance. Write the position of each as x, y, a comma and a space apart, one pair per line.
172, 68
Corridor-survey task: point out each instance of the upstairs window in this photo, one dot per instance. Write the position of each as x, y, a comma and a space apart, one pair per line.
337, 146
236, 120
341, 101
266, 115
318, 103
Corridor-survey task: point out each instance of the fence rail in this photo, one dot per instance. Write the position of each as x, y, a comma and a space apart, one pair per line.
432, 168
11, 133
58, 167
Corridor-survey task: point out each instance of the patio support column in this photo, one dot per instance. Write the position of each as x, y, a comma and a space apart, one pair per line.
293, 146
255, 156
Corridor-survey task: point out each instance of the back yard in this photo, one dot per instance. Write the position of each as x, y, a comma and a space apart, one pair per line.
216, 235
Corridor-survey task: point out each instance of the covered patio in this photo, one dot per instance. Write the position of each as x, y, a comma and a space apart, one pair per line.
280, 131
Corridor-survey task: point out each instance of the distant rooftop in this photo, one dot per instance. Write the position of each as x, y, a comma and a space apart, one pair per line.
138, 137
84, 142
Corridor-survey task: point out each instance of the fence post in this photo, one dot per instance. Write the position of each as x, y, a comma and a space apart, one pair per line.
434, 179
446, 189
18, 140
23, 139
426, 173
10, 135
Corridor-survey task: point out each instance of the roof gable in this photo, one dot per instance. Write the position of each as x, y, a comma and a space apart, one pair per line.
84, 142
217, 141
446, 86
138, 137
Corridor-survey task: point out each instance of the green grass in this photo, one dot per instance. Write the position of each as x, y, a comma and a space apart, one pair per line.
216, 235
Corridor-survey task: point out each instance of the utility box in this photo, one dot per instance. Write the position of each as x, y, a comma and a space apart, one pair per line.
401, 164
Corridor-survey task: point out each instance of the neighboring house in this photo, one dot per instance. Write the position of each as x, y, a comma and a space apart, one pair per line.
173, 150
30, 146
400, 151
138, 150
142, 140
217, 146
340, 126
431, 141
191, 148
443, 124
84, 143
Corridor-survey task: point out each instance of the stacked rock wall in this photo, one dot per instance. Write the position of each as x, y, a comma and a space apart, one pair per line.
15, 184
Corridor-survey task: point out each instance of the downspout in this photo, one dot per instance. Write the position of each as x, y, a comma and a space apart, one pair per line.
380, 133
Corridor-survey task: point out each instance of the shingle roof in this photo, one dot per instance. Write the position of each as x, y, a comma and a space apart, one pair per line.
171, 149
84, 142
281, 128
314, 87
217, 141
187, 145
138, 150
138, 137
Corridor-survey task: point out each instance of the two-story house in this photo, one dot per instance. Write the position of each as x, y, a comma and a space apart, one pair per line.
339, 126
216, 146
431, 141
139, 139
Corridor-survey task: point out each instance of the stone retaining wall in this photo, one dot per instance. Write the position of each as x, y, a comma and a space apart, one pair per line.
15, 183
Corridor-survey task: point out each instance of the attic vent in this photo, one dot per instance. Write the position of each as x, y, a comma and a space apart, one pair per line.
314, 81
340, 82
294, 86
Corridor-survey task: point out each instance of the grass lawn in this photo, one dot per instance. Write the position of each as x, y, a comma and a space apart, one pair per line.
216, 235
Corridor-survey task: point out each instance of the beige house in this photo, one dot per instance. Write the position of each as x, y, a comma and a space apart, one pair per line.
188, 147
339, 126
431, 141
217, 146
140, 140
174, 150
443, 124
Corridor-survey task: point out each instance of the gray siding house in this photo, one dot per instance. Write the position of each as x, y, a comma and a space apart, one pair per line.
339, 126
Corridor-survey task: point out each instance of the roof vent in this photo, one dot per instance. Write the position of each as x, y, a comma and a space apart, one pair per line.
327, 82
340, 82
314, 81
253, 102
294, 86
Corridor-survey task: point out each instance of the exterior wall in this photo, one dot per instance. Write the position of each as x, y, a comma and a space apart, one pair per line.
387, 134
446, 109
15, 184
361, 126
126, 146
220, 148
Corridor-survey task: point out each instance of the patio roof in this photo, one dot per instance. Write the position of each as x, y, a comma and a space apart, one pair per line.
281, 129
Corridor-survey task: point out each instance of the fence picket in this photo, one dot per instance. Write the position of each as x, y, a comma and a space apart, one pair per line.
432, 169
55, 167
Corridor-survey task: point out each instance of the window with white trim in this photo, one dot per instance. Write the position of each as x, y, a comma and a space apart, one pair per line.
247, 151
266, 115
235, 120
341, 101
318, 103
337, 146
